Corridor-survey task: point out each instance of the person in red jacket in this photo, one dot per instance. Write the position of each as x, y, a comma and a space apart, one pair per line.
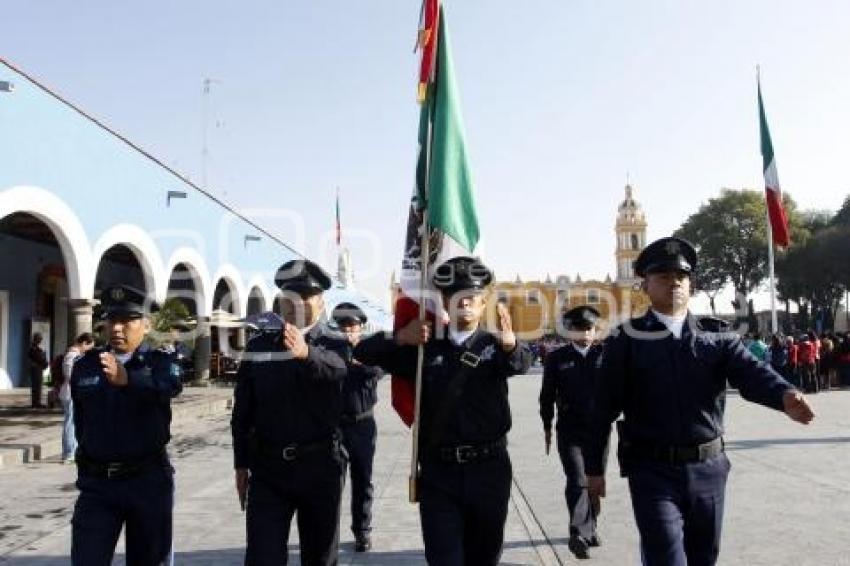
806, 352
793, 362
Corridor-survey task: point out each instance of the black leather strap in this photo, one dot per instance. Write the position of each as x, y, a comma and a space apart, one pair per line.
118, 469
679, 454
468, 453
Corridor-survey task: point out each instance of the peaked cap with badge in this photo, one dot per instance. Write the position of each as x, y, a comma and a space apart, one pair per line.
462, 273
666, 254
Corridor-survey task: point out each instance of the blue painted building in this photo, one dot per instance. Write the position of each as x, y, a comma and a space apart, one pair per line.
64, 235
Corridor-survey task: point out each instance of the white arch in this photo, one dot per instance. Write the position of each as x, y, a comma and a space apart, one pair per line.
197, 267
145, 250
66, 228
233, 278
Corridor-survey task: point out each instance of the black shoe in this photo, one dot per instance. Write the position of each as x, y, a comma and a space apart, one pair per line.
578, 546
362, 544
595, 541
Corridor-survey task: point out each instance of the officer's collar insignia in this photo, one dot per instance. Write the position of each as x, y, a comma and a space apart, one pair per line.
88, 381
437, 361
117, 294
488, 353
673, 247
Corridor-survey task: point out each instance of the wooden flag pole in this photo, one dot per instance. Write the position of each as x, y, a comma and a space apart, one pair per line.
424, 261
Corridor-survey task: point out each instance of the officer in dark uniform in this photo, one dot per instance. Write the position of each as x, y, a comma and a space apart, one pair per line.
666, 373
568, 382
286, 441
122, 414
359, 432
465, 471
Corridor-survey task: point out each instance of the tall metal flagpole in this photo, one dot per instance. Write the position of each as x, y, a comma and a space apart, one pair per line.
774, 325
773, 321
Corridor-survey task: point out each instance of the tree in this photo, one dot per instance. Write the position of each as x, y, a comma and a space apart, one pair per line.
171, 312
842, 217
730, 234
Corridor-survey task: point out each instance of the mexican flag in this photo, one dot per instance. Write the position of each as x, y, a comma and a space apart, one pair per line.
773, 192
443, 192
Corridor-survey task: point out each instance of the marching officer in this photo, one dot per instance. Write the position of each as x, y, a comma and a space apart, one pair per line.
465, 471
666, 373
568, 382
122, 413
359, 432
287, 449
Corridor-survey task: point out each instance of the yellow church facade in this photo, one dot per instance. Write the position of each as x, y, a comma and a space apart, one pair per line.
536, 307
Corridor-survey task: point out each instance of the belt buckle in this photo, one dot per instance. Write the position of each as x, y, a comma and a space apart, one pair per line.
290, 453
463, 454
470, 359
113, 469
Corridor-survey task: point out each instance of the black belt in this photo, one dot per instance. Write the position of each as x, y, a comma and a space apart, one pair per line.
295, 451
348, 418
118, 469
679, 454
468, 453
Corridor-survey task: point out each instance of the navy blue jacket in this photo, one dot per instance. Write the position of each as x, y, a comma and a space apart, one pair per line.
568, 384
360, 388
124, 423
672, 392
280, 400
476, 413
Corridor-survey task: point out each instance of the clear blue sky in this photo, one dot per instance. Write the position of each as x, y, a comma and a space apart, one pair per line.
561, 99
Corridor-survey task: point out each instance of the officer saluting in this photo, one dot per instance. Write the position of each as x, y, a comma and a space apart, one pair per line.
122, 413
465, 479
359, 433
286, 441
667, 375
568, 382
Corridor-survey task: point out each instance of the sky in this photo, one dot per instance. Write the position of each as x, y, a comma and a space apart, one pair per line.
563, 101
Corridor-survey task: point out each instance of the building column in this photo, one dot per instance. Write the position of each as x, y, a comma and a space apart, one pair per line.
241, 339
203, 350
80, 313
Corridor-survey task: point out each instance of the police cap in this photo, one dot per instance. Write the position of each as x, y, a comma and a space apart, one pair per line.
462, 273
666, 254
124, 301
348, 313
302, 276
582, 317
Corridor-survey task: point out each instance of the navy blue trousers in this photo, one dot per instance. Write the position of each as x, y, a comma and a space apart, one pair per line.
310, 487
359, 439
142, 503
679, 510
582, 517
463, 509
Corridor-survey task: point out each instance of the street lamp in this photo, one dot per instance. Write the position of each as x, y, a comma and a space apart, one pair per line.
6, 86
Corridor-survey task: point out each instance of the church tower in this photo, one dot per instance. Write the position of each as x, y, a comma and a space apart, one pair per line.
631, 237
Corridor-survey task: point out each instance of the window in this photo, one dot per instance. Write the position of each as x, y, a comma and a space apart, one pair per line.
502, 296
592, 296
532, 297
635, 242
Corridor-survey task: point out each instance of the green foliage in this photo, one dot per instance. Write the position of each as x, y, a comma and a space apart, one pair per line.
173, 311
730, 234
842, 217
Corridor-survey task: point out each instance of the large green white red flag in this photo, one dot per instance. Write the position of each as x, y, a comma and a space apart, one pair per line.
772, 190
443, 193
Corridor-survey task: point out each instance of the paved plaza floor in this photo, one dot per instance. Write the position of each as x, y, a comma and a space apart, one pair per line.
788, 499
